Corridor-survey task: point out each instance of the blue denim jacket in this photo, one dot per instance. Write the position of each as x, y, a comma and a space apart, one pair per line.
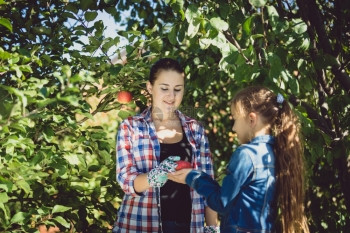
244, 201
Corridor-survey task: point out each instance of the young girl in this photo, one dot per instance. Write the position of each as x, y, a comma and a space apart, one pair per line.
265, 170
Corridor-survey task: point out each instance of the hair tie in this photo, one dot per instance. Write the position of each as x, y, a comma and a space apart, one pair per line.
280, 99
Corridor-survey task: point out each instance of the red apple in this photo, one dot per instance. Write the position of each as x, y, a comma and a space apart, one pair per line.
124, 97
182, 164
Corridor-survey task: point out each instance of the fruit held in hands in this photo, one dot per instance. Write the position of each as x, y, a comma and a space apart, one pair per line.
182, 164
124, 97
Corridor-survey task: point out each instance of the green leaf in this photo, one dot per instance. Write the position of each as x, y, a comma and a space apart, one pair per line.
20, 218
172, 35
292, 82
60, 209
219, 24
273, 16
85, 174
94, 168
3, 197
19, 127
156, 45
86, 4
182, 33
193, 27
24, 185
62, 221
90, 15
245, 73
204, 43
5, 107
193, 19
247, 25
48, 133
5, 184
123, 114
258, 3
299, 26
191, 12
105, 156
6, 23
6, 214
43, 103
72, 100
275, 65
72, 159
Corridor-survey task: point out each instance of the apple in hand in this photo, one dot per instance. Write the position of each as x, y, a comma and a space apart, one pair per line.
124, 97
182, 164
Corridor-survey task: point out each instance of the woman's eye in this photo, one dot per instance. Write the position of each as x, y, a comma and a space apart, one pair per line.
177, 90
164, 89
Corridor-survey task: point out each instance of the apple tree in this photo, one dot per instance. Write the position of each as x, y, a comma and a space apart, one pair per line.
297, 48
59, 110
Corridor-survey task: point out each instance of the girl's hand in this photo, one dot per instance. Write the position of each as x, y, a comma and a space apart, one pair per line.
179, 176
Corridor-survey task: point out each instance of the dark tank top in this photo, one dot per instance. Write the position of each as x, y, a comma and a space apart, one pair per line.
175, 199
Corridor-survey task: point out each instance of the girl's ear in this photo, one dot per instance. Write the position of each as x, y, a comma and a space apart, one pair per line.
252, 117
149, 87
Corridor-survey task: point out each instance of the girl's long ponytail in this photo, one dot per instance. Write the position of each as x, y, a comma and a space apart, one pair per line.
289, 170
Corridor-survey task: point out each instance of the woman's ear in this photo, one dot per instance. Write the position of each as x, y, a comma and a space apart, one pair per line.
252, 117
149, 87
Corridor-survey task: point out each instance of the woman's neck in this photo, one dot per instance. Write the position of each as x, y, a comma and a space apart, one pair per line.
161, 116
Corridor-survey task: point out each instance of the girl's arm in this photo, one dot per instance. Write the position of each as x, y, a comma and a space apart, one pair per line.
218, 197
211, 217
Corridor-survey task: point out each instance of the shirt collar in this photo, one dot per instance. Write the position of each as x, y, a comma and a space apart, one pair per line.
263, 139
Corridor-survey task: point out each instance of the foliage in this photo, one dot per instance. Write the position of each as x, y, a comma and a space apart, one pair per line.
57, 160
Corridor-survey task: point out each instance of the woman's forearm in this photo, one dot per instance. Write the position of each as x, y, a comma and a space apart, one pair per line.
141, 183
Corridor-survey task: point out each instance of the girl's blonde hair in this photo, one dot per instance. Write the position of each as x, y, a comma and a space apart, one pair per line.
288, 150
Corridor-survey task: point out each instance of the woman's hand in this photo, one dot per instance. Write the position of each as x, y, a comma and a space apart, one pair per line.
158, 176
179, 176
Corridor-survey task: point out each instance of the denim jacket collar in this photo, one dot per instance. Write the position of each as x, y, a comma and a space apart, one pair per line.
263, 139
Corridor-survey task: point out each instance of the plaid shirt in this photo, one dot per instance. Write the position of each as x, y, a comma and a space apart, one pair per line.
138, 151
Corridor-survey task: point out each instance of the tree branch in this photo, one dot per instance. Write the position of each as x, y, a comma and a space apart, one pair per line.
319, 121
312, 16
233, 41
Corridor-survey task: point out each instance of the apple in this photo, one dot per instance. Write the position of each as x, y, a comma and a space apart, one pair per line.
182, 164
124, 97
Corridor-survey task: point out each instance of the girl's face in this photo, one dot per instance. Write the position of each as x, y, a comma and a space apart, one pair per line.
241, 125
167, 91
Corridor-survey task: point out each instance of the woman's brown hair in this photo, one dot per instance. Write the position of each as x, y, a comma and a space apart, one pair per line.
288, 150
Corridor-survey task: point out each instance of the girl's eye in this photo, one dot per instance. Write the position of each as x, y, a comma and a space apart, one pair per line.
177, 90
164, 89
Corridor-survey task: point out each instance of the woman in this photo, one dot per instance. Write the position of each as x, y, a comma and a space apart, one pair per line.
144, 144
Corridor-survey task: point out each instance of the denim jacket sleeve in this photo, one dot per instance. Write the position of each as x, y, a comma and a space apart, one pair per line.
219, 197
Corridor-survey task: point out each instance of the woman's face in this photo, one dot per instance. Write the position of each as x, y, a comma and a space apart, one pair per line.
167, 91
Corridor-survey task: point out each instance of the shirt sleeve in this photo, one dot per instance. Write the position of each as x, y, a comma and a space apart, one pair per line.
219, 197
125, 168
206, 156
